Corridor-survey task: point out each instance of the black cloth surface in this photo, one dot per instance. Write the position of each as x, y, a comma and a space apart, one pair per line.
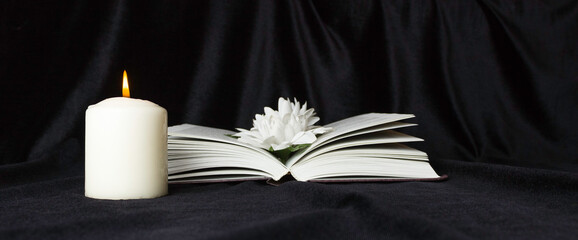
493, 85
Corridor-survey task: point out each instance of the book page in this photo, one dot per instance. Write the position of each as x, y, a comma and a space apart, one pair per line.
364, 131
222, 173
388, 150
193, 148
384, 161
202, 132
389, 136
349, 125
212, 134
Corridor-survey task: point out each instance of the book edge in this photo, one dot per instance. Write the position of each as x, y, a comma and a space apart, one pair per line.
272, 182
369, 180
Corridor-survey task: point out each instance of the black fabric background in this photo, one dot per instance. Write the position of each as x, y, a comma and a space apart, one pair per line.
493, 85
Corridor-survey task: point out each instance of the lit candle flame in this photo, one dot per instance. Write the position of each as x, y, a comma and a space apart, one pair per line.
125, 91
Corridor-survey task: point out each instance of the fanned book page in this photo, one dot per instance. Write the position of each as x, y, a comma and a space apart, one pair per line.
360, 148
209, 154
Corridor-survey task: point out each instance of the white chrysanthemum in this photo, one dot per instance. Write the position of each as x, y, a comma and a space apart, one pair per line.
278, 130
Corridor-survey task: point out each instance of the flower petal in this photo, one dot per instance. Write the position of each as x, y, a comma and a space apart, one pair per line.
292, 124
303, 138
284, 106
321, 130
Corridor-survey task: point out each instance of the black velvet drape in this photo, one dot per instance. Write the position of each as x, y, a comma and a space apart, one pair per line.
490, 81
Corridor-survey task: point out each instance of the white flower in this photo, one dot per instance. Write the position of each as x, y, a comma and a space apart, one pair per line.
277, 130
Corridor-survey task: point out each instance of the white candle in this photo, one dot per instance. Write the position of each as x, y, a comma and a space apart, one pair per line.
125, 149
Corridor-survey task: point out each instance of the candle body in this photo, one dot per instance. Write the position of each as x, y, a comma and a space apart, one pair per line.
125, 149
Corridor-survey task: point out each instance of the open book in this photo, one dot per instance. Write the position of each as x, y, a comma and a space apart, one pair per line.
360, 148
